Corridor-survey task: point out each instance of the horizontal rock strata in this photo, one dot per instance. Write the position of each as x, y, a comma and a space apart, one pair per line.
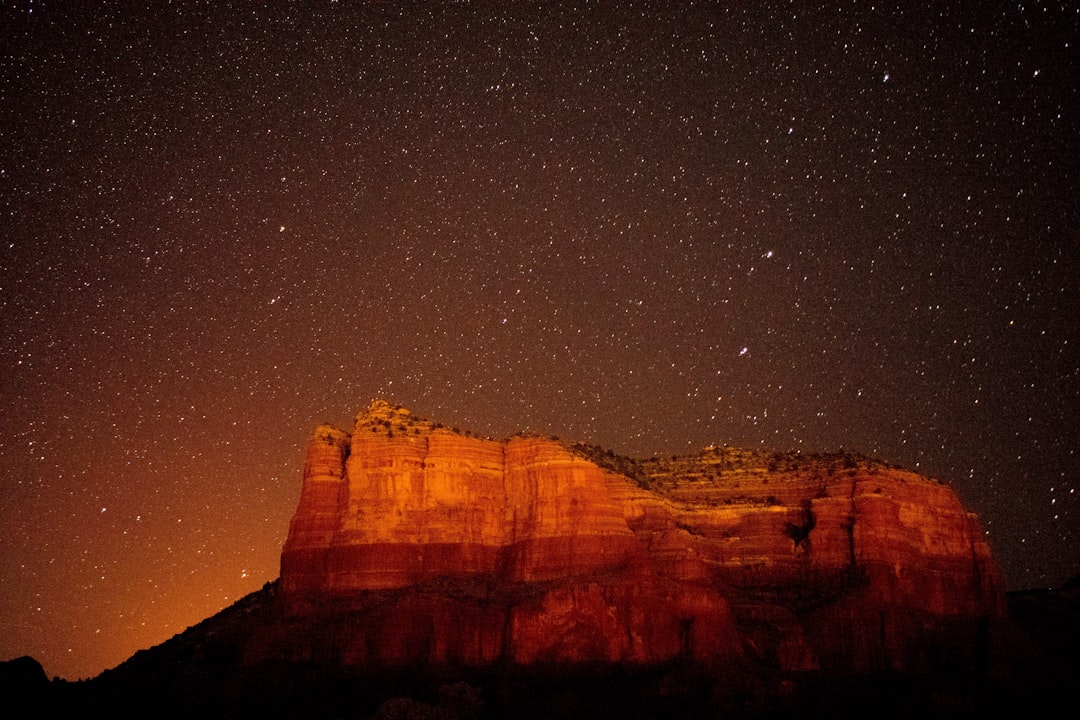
420, 544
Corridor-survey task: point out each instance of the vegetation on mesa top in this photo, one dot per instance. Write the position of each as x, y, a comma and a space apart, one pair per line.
713, 463
395, 420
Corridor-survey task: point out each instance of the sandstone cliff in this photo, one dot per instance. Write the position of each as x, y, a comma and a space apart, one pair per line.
414, 544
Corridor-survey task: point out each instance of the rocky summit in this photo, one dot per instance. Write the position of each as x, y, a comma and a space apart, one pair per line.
415, 545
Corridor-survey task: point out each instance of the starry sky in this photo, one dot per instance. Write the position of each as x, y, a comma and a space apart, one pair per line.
650, 226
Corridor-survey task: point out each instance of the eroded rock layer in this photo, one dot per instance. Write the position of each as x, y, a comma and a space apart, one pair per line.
420, 544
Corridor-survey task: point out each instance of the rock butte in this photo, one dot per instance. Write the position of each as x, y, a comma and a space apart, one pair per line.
415, 545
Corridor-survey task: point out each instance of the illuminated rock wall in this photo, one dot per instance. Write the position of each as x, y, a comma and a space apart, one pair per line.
464, 550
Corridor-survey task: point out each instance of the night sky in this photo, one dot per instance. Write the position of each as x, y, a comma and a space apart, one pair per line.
650, 226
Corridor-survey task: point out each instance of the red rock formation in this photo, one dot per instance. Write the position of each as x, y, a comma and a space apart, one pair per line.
430, 546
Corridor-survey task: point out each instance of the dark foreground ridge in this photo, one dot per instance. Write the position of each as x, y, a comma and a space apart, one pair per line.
197, 674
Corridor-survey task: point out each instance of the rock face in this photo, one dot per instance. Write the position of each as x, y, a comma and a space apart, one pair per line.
416, 544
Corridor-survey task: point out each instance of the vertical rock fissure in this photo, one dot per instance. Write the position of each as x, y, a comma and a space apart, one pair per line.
976, 566
507, 551
850, 526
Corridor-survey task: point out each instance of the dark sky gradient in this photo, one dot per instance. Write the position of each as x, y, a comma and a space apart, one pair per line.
651, 226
